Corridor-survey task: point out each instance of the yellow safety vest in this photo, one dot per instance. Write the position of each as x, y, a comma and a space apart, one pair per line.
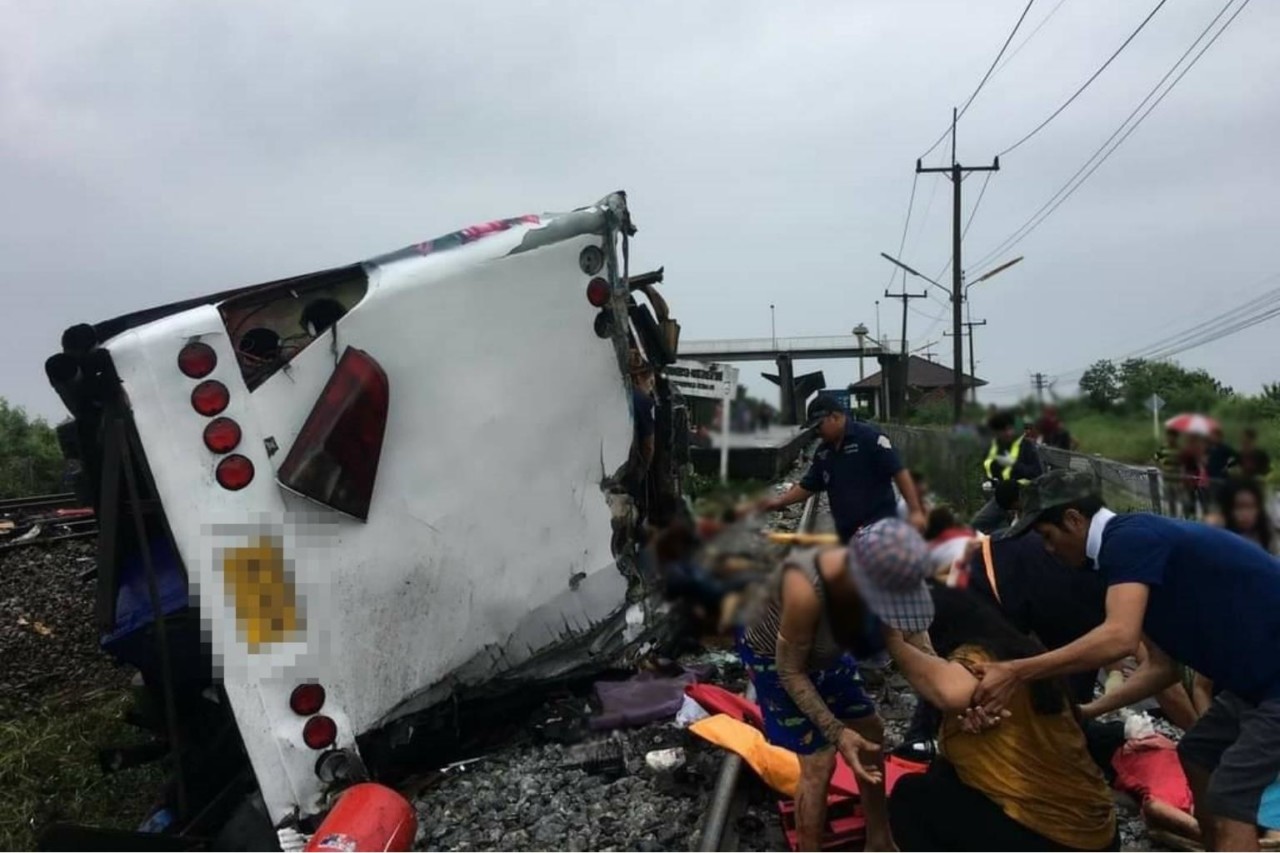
1014, 450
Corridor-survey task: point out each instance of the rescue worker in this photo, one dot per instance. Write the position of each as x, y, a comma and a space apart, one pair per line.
1187, 592
857, 467
1011, 458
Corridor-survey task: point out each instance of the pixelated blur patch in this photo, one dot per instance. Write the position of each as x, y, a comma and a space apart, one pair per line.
260, 588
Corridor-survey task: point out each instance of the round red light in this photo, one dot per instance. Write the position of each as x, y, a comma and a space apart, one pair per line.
210, 397
234, 472
222, 435
197, 360
598, 292
319, 732
306, 699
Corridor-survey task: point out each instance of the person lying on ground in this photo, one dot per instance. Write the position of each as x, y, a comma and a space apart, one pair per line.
1026, 784
797, 644
1189, 592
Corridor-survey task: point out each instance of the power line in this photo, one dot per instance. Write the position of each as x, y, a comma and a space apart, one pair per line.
987, 76
906, 223
1088, 82
1030, 36
1068, 189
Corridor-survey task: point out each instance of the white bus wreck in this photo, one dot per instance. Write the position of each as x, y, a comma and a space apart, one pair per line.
332, 502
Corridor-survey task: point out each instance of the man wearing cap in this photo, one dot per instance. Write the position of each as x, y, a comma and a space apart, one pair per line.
1191, 593
857, 467
823, 604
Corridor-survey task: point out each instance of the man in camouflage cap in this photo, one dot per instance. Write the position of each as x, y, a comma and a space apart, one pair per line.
1191, 593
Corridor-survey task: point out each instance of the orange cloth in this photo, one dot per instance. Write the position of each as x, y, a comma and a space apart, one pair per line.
778, 767
1036, 767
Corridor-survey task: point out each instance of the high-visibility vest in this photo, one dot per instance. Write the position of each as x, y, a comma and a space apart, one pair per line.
1014, 450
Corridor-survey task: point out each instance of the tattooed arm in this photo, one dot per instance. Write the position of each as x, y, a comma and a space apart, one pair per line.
800, 612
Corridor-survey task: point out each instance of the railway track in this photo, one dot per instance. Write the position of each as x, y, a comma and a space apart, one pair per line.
719, 830
53, 518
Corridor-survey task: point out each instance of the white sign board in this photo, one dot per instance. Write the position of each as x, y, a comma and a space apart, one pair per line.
711, 381
696, 379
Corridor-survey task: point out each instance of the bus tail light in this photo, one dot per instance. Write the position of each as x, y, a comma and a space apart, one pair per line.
334, 459
234, 472
320, 732
210, 398
197, 360
306, 699
598, 292
222, 435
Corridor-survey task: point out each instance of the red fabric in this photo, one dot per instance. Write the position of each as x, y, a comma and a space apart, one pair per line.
717, 700
1149, 769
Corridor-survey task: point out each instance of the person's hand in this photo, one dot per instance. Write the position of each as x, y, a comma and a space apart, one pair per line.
976, 720
749, 508
1088, 711
918, 520
997, 681
853, 746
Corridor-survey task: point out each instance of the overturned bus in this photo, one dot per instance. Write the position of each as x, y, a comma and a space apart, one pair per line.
329, 504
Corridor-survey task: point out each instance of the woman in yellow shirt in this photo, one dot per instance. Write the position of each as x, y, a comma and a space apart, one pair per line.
1026, 784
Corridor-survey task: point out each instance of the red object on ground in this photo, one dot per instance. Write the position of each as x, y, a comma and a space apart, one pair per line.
1149, 769
846, 824
367, 817
717, 700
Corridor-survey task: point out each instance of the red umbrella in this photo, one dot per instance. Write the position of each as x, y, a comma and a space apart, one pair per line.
1193, 424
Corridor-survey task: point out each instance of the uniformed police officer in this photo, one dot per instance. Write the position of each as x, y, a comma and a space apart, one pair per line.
857, 467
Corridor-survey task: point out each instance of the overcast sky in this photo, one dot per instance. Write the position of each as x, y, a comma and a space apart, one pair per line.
151, 151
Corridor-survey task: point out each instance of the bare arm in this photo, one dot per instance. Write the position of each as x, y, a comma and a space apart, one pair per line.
907, 487
944, 684
1115, 638
800, 611
1155, 672
793, 495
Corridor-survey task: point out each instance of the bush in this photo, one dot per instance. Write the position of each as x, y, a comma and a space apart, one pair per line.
30, 460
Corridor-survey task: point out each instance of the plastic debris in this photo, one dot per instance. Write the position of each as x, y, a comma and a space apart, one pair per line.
665, 759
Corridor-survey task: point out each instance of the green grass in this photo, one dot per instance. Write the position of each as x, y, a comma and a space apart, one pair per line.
49, 769
1130, 438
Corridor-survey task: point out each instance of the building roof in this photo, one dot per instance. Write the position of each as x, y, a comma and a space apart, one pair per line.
922, 374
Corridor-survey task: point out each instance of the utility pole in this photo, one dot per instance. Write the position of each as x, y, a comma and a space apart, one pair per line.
957, 172
904, 296
1040, 382
973, 370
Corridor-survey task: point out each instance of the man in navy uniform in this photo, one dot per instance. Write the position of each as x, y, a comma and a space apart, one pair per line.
857, 467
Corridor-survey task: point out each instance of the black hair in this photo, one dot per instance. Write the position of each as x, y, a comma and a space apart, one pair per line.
1007, 494
917, 476
1227, 502
1000, 421
1086, 506
962, 618
941, 519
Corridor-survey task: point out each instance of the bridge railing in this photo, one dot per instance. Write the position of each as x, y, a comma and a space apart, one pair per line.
788, 344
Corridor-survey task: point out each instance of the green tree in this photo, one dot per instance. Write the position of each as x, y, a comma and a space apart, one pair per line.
30, 459
1271, 391
1182, 389
1100, 384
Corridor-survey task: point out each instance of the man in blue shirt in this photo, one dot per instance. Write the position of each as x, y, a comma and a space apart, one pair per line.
1194, 594
857, 467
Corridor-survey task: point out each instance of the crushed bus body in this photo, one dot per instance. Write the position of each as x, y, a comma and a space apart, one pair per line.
327, 504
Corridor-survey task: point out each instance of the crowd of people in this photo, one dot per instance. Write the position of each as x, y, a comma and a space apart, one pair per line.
1004, 634
1202, 473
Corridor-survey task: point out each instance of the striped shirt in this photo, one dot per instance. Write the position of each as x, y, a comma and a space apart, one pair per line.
764, 619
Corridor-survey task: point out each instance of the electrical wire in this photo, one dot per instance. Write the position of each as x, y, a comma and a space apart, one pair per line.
1029, 37
905, 225
985, 77
1088, 82
1102, 153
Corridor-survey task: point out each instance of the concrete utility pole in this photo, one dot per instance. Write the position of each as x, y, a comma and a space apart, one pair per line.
904, 296
973, 369
956, 173
1040, 382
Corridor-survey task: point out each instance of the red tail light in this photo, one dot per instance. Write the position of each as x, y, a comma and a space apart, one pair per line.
306, 699
319, 732
222, 435
597, 292
334, 460
210, 397
197, 360
234, 472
